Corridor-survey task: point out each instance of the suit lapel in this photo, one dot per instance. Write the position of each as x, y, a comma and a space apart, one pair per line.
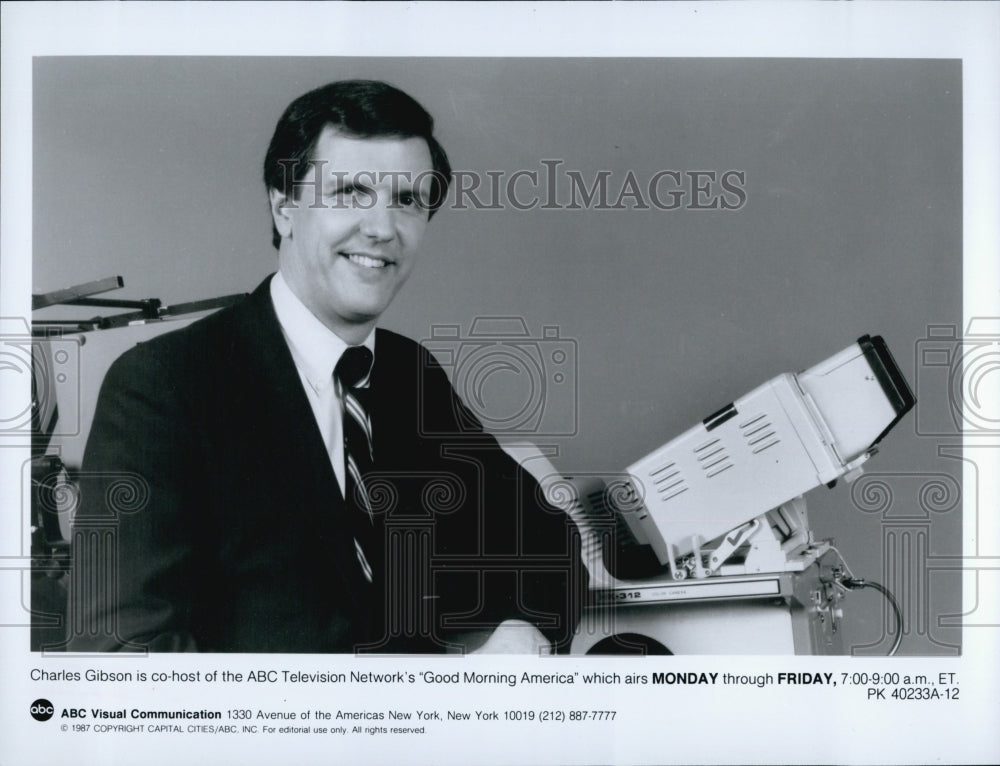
394, 410
285, 417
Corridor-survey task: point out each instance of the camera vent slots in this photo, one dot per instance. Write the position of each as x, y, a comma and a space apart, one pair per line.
759, 433
579, 510
594, 519
713, 458
597, 502
668, 481
617, 498
606, 501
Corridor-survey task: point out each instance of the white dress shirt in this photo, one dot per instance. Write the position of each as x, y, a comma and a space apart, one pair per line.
315, 350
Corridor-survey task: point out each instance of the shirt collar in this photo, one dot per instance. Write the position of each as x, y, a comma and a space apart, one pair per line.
315, 348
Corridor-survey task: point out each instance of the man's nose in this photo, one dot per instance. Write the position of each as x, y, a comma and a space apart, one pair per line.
378, 221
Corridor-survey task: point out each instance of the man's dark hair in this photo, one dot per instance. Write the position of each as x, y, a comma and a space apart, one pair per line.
356, 108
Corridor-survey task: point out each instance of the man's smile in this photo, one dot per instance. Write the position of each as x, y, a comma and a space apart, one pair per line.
367, 260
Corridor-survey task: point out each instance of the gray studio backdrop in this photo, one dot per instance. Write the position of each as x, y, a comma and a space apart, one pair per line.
847, 220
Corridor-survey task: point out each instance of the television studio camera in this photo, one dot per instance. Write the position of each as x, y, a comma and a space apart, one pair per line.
703, 546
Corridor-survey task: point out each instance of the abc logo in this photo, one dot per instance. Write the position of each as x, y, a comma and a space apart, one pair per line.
42, 710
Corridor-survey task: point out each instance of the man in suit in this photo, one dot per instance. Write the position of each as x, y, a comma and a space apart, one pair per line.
254, 483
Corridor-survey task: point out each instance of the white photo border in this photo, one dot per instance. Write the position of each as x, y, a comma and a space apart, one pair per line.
696, 727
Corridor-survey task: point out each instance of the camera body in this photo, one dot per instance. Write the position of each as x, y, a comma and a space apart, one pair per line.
777, 442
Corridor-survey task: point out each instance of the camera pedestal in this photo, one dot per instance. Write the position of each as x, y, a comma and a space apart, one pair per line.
781, 613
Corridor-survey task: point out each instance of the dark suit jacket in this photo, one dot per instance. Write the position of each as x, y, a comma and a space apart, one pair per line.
211, 519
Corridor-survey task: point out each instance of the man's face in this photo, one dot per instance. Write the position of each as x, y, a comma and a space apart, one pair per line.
350, 240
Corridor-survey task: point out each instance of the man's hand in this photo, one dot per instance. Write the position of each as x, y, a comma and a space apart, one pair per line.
515, 637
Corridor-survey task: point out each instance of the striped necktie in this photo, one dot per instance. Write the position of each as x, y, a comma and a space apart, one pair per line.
352, 373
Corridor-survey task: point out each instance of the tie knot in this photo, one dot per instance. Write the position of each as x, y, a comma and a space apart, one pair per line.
355, 366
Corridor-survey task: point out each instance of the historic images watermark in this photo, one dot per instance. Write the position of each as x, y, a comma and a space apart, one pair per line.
50, 363
510, 381
550, 186
954, 376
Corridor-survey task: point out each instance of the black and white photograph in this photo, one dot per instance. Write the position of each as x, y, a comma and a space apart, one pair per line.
369, 400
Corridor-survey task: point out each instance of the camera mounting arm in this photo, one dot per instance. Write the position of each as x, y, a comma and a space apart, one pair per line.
145, 310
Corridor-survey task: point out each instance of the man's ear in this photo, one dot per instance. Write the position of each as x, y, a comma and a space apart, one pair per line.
280, 207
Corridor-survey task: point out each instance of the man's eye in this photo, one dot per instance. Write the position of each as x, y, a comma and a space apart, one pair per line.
407, 199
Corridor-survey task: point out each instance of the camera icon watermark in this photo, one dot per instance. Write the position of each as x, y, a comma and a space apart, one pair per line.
957, 379
510, 382
50, 364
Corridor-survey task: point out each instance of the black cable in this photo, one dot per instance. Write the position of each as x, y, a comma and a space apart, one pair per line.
852, 583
